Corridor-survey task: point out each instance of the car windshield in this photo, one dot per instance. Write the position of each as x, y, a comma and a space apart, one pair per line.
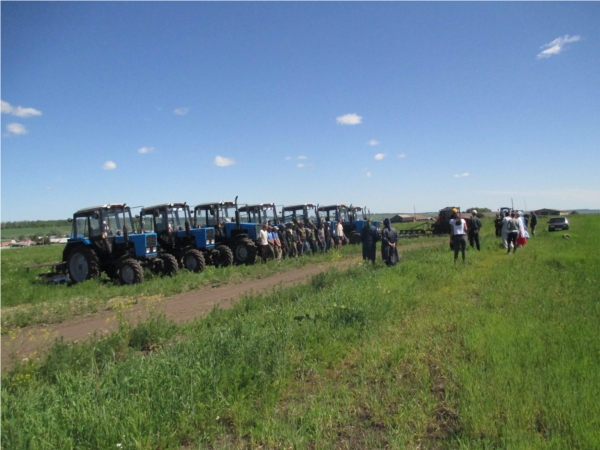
557, 220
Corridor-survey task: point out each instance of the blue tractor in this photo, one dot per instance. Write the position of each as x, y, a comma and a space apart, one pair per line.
103, 240
239, 236
260, 213
179, 243
305, 213
353, 219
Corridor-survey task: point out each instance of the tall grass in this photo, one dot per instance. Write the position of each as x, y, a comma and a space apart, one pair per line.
501, 352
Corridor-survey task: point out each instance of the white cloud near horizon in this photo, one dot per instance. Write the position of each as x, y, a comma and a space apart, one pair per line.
373, 142
18, 111
401, 155
379, 156
301, 157
16, 129
368, 174
556, 46
349, 119
181, 111
300, 165
466, 174
224, 162
109, 165
145, 150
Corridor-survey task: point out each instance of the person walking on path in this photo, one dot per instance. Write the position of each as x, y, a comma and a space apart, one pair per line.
369, 237
533, 223
474, 227
512, 227
263, 242
339, 234
458, 235
389, 239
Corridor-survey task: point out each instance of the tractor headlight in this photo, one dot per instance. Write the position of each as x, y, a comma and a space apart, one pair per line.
148, 249
153, 249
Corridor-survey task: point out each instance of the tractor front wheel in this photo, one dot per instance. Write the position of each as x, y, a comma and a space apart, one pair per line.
169, 265
355, 238
193, 260
130, 271
245, 252
83, 264
224, 256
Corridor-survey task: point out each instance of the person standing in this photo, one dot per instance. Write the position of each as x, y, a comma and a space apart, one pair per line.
263, 242
276, 244
533, 222
321, 238
300, 236
505, 221
328, 240
512, 227
498, 225
523, 235
458, 235
339, 234
283, 239
369, 237
389, 239
292, 239
474, 227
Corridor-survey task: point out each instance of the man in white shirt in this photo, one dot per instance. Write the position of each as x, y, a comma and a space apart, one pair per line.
458, 234
263, 241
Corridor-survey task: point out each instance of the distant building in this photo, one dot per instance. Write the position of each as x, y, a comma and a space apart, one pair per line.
404, 218
551, 212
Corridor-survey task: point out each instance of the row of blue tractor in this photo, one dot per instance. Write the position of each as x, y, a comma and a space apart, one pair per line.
171, 236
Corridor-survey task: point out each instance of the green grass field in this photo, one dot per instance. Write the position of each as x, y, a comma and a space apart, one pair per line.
13, 233
502, 352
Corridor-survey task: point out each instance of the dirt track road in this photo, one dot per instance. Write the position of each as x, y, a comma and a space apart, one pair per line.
182, 307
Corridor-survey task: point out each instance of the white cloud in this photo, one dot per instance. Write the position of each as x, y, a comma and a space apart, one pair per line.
145, 150
16, 128
19, 111
373, 142
556, 46
300, 166
181, 111
368, 174
301, 157
287, 158
379, 156
349, 119
466, 174
49, 188
224, 162
401, 155
109, 165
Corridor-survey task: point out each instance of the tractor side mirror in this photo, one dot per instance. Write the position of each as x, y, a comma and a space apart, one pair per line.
70, 219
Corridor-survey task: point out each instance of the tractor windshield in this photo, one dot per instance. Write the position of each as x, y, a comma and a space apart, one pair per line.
227, 213
311, 213
177, 218
343, 212
114, 220
268, 215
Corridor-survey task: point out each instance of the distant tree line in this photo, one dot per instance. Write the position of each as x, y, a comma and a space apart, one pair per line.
34, 224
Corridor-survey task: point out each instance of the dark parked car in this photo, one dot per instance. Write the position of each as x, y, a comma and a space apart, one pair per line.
558, 223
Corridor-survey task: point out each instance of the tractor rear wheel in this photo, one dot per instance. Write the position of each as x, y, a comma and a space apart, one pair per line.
355, 238
130, 271
169, 265
83, 264
245, 252
193, 260
224, 256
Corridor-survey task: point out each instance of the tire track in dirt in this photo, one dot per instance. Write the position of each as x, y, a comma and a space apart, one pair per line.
183, 307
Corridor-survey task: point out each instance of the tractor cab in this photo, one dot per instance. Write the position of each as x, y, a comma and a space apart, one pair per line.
260, 213
442, 221
172, 223
305, 213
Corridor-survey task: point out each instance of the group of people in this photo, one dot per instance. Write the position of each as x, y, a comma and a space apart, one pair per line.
369, 236
295, 239
512, 227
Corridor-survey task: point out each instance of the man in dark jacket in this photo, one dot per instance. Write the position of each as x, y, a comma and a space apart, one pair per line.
533, 223
473, 230
283, 239
369, 237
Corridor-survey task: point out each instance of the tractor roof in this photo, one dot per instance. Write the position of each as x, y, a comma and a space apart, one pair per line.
221, 203
103, 207
258, 205
165, 205
292, 208
332, 207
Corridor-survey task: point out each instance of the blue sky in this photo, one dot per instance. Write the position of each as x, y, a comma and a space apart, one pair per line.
391, 105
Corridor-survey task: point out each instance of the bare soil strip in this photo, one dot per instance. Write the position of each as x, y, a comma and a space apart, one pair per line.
34, 340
